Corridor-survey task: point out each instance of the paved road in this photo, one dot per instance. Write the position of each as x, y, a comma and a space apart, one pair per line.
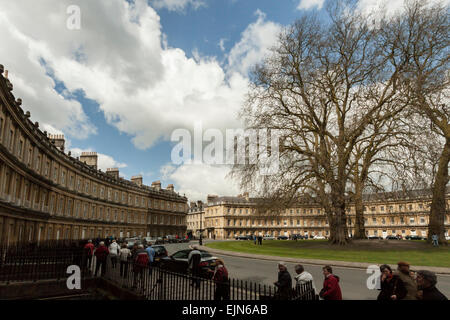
352, 280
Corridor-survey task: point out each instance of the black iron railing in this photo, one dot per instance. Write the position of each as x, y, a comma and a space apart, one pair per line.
31, 262
155, 283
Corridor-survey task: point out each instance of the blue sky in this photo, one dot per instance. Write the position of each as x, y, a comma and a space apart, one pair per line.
134, 71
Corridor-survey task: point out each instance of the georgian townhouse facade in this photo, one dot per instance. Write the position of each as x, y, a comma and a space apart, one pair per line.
385, 214
47, 194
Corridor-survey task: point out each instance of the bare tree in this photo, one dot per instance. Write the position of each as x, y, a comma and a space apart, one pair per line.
322, 87
372, 162
421, 36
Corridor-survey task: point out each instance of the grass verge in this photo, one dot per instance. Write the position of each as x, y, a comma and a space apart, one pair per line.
371, 251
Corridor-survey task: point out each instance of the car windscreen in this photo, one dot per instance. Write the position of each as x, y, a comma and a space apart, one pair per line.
181, 254
159, 249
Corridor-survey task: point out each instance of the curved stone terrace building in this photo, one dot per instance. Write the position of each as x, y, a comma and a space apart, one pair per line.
390, 213
45, 194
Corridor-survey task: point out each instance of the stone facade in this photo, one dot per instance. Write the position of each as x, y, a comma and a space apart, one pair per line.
47, 194
385, 214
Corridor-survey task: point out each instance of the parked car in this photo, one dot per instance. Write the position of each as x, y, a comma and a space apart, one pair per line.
319, 238
447, 237
298, 237
160, 252
268, 237
159, 240
178, 262
414, 238
374, 238
146, 240
248, 237
282, 238
391, 237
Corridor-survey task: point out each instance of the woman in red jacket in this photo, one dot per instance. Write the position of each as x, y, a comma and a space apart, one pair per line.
222, 282
331, 289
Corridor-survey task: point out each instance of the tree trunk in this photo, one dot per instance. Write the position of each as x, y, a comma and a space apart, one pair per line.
438, 203
338, 220
360, 230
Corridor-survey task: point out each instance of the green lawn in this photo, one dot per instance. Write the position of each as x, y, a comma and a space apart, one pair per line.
379, 252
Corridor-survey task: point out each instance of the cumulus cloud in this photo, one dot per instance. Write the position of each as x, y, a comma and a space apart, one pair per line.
20, 54
222, 44
391, 6
103, 161
197, 181
308, 4
120, 59
254, 45
177, 5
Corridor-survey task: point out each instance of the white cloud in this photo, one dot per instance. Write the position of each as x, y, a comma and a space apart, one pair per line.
177, 5
197, 181
103, 161
308, 4
391, 6
144, 87
20, 55
222, 44
254, 45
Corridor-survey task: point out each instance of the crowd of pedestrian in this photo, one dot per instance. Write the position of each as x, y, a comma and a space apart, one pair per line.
140, 257
406, 284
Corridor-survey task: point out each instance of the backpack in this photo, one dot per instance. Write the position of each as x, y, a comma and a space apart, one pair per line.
142, 259
196, 258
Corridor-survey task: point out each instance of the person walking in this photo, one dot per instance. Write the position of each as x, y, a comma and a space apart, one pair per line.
392, 287
101, 255
435, 238
284, 283
303, 277
221, 280
410, 284
114, 253
88, 253
139, 264
426, 283
194, 259
151, 256
124, 257
331, 289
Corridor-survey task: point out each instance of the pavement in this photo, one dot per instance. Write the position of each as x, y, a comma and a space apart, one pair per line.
347, 264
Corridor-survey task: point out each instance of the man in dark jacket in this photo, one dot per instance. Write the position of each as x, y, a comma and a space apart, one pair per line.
284, 283
426, 282
101, 254
331, 289
410, 284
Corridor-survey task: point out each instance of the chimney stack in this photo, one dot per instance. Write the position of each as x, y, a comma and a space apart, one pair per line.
211, 198
113, 172
90, 158
58, 140
137, 179
170, 187
156, 185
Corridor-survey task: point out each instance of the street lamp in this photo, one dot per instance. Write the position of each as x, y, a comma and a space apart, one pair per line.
200, 240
